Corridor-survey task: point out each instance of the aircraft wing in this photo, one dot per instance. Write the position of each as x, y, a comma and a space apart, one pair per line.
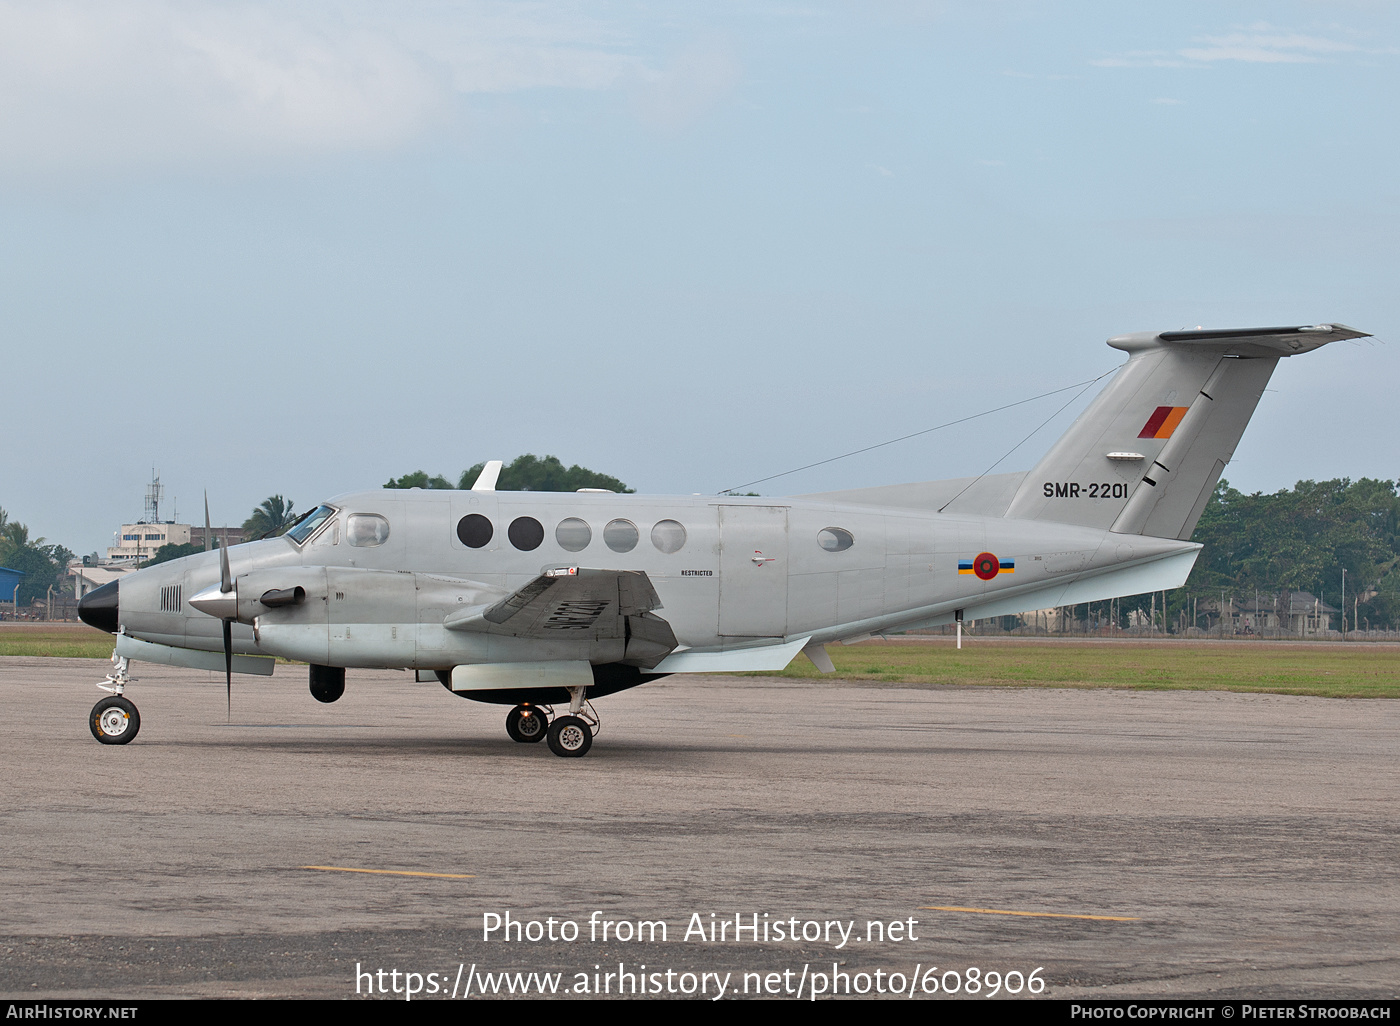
573, 602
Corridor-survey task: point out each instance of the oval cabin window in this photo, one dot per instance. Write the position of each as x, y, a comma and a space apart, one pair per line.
835, 539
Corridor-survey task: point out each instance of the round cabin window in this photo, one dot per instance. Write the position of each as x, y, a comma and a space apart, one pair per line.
668, 536
573, 535
474, 530
620, 535
525, 533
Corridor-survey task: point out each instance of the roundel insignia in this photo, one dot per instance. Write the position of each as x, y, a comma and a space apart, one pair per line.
986, 566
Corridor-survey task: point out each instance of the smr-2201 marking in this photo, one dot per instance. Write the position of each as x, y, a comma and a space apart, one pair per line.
1073, 490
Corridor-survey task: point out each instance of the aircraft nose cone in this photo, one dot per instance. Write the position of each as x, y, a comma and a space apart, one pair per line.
98, 608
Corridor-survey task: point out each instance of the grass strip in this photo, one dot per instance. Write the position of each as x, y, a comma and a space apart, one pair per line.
1335, 671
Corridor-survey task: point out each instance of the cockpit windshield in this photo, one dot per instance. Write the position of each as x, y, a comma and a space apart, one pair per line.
309, 525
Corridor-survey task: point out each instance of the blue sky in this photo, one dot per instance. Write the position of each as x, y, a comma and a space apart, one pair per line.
299, 248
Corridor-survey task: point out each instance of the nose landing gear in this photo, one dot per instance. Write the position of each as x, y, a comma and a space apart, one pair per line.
114, 720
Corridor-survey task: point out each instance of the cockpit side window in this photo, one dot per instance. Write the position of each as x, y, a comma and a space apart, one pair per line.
311, 524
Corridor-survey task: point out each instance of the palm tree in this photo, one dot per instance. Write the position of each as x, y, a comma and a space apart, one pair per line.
272, 517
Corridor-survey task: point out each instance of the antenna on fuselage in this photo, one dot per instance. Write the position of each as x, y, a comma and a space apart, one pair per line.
486, 480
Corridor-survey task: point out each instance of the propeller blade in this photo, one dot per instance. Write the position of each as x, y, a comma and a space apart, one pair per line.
225, 576
228, 665
208, 531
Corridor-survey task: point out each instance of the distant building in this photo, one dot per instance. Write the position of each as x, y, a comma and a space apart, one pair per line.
9, 583
1300, 612
90, 578
139, 541
1306, 614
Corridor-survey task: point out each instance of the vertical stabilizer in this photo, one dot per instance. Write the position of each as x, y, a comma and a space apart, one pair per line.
1147, 453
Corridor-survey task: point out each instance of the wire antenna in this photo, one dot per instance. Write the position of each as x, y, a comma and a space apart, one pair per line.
939, 427
1047, 420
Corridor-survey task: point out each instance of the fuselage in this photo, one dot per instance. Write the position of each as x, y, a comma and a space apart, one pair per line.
392, 566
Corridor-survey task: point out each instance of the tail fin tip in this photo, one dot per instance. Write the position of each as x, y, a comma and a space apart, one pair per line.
1247, 342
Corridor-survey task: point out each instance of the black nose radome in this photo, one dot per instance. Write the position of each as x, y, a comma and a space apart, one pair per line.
98, 608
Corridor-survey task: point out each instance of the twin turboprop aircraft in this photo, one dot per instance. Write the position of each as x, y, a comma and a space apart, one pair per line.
536, 600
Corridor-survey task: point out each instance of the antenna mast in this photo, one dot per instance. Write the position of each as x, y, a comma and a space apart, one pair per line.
153, 494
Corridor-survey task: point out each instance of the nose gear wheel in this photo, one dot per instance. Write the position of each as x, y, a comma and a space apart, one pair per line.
114, 721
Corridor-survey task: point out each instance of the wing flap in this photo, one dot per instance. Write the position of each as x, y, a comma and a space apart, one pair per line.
585, 604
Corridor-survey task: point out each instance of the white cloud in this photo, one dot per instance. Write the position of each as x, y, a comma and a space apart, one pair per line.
1139, 59
157, 81
695, 80
1260, 45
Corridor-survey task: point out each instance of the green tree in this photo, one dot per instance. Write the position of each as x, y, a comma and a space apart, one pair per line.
418, 479
527, 473
43, 565
1301, 539
172, 551
530, 473
272, 517
1297, 539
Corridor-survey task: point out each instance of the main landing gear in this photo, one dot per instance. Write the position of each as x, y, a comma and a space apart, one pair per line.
569, 736
114, 720
528, 723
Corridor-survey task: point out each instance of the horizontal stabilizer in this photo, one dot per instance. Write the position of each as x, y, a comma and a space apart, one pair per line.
1155, 575
1260, 342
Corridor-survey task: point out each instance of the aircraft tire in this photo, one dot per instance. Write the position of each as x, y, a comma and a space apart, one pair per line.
524, 728
114, 721
570, 737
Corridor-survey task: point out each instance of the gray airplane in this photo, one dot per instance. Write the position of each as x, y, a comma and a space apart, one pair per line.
535, 599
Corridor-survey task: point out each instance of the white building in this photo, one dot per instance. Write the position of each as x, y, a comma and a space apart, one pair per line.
138, 542
90, 578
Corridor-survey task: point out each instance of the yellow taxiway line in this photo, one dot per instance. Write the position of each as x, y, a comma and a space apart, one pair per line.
1036, 915
392, 872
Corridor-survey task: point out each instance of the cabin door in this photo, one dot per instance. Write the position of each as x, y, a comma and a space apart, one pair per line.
753, 569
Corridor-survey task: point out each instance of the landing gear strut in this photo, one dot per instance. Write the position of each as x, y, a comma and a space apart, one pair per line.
571, 736
527, 723
114, 720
